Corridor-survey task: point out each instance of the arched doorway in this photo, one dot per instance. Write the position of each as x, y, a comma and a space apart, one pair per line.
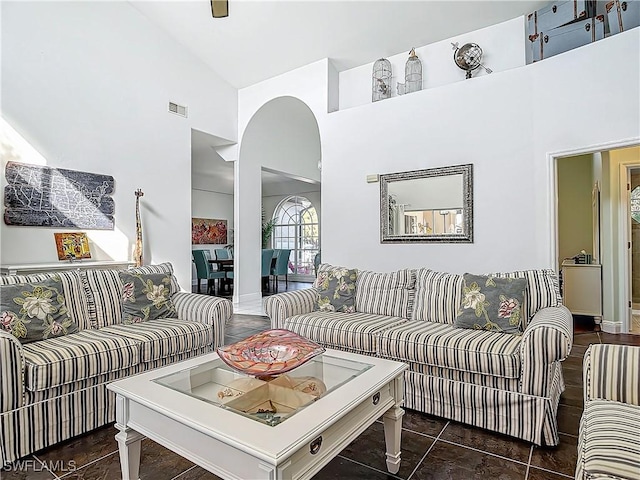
280, 145
297, 228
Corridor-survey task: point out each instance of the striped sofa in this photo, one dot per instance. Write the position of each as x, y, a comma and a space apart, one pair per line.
54, 389
505, 383
608, 446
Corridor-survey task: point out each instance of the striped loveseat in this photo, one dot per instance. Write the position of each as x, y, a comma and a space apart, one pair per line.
54, 389
505, 383
608, 446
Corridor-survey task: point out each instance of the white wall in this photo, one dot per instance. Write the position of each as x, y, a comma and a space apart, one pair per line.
87, 84
309, 87
208, 204
283, 139
614, 251
505, 124
503, 49
575, 208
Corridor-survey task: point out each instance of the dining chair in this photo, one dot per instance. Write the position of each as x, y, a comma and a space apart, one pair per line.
316, 263
228, 274
205, 271
222, 254
267, 256
281, 268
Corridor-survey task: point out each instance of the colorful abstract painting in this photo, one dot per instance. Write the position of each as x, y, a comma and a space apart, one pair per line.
72, 246
208, 231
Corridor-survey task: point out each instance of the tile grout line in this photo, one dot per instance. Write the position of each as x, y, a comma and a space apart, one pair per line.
483, 451
182, 473
526, 475
90, 463
392, 475
46, 467
428, 450
552, 471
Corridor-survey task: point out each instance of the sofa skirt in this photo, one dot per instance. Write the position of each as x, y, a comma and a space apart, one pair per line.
519, 415
38, 425
34, 427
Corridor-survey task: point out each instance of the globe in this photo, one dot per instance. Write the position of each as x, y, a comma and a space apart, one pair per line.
468, 57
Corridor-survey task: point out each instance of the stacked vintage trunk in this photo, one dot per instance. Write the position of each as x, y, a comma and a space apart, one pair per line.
564, 25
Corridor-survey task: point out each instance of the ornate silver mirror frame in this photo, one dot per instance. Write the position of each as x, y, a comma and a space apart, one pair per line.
432, 205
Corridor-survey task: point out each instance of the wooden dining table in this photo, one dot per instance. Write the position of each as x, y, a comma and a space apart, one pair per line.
224, 265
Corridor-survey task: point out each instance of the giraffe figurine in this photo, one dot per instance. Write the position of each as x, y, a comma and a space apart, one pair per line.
137, 253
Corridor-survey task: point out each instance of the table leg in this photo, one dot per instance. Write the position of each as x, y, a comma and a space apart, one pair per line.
392, 434
129, 447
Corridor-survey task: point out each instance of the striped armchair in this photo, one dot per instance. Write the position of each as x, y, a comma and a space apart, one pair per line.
608, 446
505, 383
55, 389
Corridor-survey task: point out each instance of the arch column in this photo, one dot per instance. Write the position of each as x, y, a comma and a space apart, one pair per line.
281, 136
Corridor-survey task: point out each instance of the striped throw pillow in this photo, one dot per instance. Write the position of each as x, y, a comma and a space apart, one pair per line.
385, 293
437, 296
104, 291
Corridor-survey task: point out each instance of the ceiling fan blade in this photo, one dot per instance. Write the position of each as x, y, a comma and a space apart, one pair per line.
220, 8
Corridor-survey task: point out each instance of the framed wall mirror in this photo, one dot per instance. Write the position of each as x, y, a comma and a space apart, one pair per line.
432, 205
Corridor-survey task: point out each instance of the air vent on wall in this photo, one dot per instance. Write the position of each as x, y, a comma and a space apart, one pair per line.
178, 109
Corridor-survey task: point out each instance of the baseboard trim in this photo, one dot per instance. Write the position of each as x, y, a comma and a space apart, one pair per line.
247, 298
611, 327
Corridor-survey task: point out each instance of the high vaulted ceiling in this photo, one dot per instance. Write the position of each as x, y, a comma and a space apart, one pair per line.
264, 38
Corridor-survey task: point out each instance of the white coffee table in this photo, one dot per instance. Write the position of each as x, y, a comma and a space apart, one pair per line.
195, 408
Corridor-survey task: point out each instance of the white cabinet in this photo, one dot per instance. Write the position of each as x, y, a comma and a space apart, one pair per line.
582, 288
50, 267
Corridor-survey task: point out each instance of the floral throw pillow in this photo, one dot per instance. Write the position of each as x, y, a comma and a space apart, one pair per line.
491, 303
146, 297
35, 311
336, 290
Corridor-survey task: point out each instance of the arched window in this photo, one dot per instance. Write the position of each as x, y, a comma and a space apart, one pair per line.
296, 227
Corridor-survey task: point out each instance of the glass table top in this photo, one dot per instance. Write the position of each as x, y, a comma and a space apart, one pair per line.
269, 400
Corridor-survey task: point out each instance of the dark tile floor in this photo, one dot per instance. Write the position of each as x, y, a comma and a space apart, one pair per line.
432, 448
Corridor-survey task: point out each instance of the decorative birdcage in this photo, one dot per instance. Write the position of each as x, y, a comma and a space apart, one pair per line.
412, 75
381, 80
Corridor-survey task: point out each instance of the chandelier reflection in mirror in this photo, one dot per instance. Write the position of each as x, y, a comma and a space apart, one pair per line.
432, 205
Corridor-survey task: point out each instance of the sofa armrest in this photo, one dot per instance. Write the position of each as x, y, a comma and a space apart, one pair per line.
281, 306
612, 372
213, 311
546, 340
11, 372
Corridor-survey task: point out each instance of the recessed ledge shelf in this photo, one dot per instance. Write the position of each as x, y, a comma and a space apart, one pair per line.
62, 265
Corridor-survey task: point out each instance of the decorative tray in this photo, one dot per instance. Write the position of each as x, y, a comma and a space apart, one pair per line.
269, 353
